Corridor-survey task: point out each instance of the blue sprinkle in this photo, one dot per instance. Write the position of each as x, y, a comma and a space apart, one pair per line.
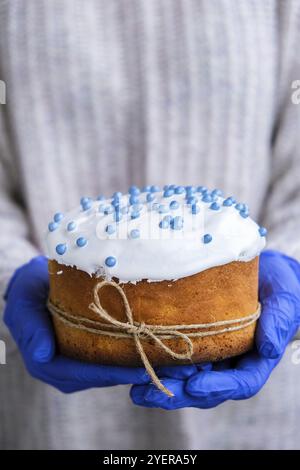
115, 202
233, 199
216, 192
135, 215
244, 213
134, 190
108, 210
86, 205
116, 199
61, 248
242, 207
164, 223
166, 186
71, 226
177, 223
172, 186
201, 189
168, 218
100, 197
227, 202
118, 216
117, 195
191, 200
146, 189
52, 226
162, 209
168, 192
207, 238
207, 198
154, 189
58, 217
101, 208
195, 209
174, 205
110, 229
190, 189
179, 190
110, 261
214, 206
135, 233
84, 200
262, 231
81, 242
133, 200
150, 197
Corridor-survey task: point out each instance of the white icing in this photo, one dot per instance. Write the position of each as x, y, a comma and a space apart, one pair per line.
159, 254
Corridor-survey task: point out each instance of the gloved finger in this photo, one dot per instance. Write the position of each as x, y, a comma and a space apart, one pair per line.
41, 348
31, 328
280, 298
150, 397
25, 313
64, 372
181, 372
30, 282
234, 384
277, 325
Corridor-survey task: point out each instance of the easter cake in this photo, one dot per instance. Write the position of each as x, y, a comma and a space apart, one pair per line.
158, 276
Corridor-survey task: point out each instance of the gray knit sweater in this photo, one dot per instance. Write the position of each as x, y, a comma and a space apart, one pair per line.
102, 94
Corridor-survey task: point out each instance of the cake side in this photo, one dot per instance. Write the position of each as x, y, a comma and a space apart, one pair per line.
220, 293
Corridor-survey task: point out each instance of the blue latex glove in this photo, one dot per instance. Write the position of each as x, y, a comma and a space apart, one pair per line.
28, 320
243, 377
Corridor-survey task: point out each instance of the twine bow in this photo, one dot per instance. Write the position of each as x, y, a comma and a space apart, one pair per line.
141, 331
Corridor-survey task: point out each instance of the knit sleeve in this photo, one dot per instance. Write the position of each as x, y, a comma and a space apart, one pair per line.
281, 212
16, 246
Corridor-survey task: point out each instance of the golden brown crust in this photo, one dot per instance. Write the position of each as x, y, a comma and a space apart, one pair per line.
220, 293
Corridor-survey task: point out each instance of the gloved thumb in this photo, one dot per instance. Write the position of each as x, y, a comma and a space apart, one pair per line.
279, 293
42, 346
277, 325
221, 385
233, 384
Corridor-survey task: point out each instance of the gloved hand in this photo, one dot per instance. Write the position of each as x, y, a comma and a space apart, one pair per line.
279, 291
28, 320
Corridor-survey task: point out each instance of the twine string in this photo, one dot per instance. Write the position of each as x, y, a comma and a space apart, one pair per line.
138, 331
